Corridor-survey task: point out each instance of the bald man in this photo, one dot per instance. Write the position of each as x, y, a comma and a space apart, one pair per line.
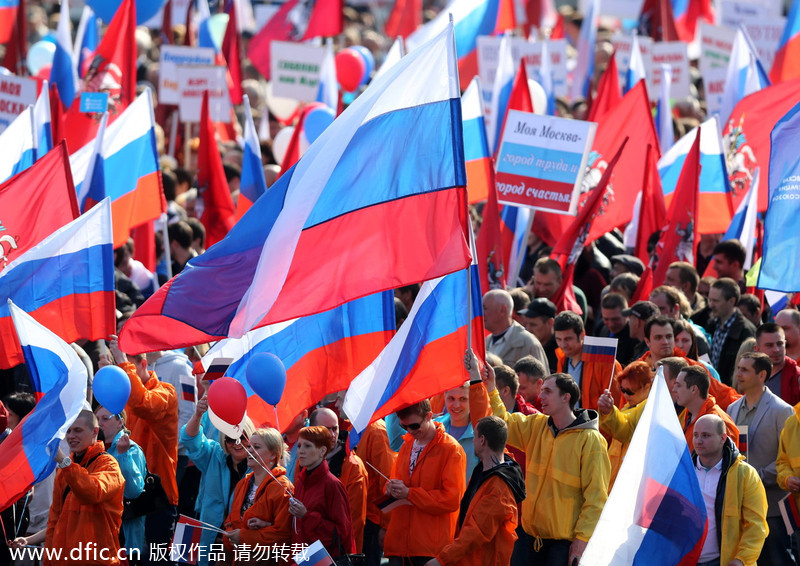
509, 339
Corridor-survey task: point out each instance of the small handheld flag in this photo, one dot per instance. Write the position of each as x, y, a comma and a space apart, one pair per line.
218, 368
789, 513
314, 555
602, 350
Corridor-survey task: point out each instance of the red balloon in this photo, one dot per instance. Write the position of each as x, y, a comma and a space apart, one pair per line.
228, 399
350, 68
44, 73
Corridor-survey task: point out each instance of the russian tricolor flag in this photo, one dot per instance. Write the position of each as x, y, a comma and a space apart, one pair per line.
86, 40
480, 170
322, 353
42, 123
716, 204
471, 18
584, 70
66, 282
743, 224
185, 547
515, 225
28, 453
122, 164
599, 350
784, 66
636, 70
656, 507
358, 207
19, 145
501, 93
8, 18
425, 356
314, 555
253, 184
746, 74
63, 73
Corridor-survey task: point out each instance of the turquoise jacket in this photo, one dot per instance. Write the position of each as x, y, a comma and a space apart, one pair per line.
466, 441
133, 466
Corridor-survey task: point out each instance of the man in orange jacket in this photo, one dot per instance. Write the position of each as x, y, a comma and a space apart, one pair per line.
428, 480
153, 421
488, 517
86, 513
691, 392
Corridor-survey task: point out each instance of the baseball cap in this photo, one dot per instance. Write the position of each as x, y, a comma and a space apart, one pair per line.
642, 310
539, 307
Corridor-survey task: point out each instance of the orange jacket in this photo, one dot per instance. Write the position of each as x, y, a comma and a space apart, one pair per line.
435, 490
594, 380
486, 538
271, 505
374, 448
153, 421
354, 478
724, 394
709, 407
90, 512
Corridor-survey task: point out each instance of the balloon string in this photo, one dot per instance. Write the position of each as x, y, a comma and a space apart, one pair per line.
277, 421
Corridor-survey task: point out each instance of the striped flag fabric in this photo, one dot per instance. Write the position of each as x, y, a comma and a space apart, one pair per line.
501, 93
746, 74
42, 122
743, 224
584, 70
314, 555
480, 168
789, 513
599, 350
18, 141
86, 40
63, 72
253, 184
185, 547
636, 71
28, 453
784, 66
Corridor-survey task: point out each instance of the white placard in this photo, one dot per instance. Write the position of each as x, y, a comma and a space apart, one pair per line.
766, 36
673, 53
716, 44
489, 52
295, 70
625, 9
735, 12
16, 94
173, 56
623, 45
193, 81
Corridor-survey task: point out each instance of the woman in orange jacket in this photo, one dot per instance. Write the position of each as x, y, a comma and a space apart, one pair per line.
260, 510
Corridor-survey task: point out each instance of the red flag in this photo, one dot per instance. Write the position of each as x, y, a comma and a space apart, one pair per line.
113, 70
219, 214
56, 115
293, 151
326, 19
489, 246
188, 37
519, 99
652, 210
645, 286
232, 53
609, 94
632, 119
167, 35
36, 203
574, 239
144, 244
697, 9
17, 46
406, 16
679, 238
657, 20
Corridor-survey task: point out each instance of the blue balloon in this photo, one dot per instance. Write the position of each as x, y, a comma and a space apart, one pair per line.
112, 388
145, 9
267, 377
316, 122
369, 62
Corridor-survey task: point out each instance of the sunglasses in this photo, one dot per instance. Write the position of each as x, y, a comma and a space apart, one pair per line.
627, 391
412, 426
229, 440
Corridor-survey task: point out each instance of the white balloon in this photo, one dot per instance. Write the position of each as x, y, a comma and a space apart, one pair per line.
538, 97
281, 143
40, 54
229, 430
282, 108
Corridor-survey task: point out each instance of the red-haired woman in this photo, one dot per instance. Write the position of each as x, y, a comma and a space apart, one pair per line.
320, 501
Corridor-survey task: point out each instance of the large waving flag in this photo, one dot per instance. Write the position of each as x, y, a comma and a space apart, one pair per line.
86, 39
395, 53
636, 71
656, 507
28, 453
746, 74
743, 224
8, 17
515, 225
63, 72
679, 238
253, 183
231, 51
716, 207
780, 262
66, 282
747, 135
480, 169
328, 86
471, 18
404, 19
122, 164
36, 203
42, 123
658, 21
652, 210
358, 206
784, 66
18, 141
501, 92
322, 353
489, 246
423, 357
608, 92
14, 34
584, 70
663, 120
688, 14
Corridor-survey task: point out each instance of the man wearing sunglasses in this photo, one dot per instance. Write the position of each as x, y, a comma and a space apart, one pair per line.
429, 477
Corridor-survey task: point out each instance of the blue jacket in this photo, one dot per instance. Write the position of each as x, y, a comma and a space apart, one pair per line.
133, 466
215, 495
466, 441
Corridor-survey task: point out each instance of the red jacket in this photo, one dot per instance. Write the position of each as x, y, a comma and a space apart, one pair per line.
790, 382
709, 407
327, 515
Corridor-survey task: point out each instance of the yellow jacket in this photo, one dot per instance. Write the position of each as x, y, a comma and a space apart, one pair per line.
620, 424
788, 463
566, 476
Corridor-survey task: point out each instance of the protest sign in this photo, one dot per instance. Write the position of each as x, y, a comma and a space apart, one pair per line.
295, 70
16, 93
542, 160
674, 54
93, 102
489, 52
766, 36
716, 44
193, 81
622, 46
171, 57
